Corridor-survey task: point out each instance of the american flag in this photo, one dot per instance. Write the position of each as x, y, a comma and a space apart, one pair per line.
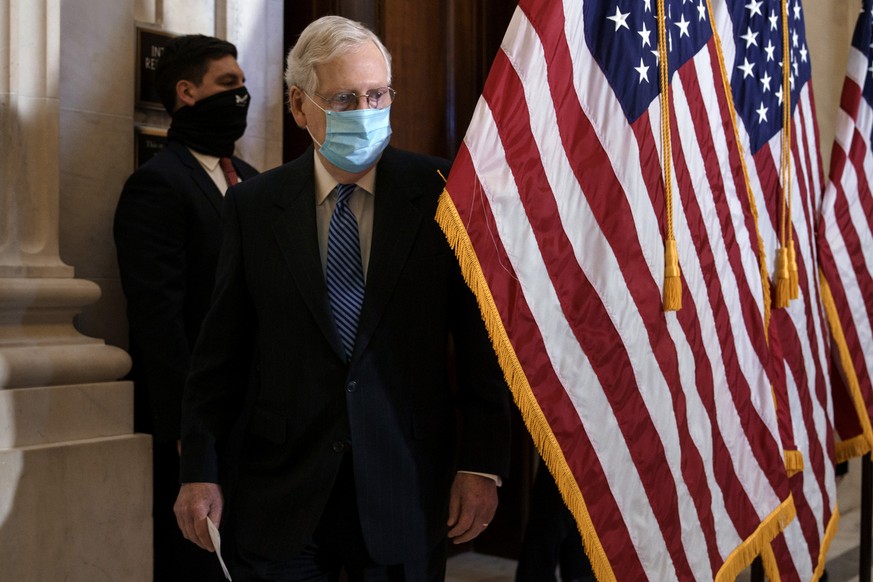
659, 427
846, 246
752, 39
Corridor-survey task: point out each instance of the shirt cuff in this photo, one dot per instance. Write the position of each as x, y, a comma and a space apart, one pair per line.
495, 478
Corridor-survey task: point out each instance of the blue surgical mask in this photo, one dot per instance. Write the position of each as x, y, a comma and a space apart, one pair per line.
354, 139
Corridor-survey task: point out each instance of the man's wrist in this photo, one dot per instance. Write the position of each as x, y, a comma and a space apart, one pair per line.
495, 478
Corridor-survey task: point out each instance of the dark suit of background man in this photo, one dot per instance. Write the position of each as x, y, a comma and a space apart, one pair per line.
348, 458
168, 234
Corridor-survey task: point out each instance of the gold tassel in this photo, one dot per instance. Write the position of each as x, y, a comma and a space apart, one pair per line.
672, 277
793, 279
783, 295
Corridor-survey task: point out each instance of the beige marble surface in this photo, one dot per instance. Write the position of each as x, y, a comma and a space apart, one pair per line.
78, 512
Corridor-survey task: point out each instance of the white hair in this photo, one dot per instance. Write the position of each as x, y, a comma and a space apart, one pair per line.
322, 41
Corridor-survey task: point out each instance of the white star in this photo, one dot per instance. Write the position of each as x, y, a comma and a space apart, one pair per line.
794, 39
779, 94
746, 68
796, 68
643, 70
683, 27
754, 8
701, 9
803, 54
774, 20
791, 81
750, 37
619, 19
646, 34
648, 5
657, 57
765, 81
762, 114
796, 10
769, 49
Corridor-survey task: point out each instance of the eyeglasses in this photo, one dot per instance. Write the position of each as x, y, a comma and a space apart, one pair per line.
377, 99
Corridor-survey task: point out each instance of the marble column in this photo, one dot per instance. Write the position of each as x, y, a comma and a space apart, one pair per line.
75, 485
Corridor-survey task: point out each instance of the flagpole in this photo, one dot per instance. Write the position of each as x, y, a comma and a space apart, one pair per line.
864, 560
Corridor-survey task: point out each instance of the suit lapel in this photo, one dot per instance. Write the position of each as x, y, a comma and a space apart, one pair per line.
297, 236
198, 175
395, 225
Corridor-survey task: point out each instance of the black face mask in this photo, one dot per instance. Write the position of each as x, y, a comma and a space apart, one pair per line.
212, 125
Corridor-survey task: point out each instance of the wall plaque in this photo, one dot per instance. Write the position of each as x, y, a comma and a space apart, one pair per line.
150, 45
148, 141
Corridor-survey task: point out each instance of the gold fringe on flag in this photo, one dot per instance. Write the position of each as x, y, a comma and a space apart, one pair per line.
450, 221
672, 274
771, 567
757, 543
793, 462
849, 447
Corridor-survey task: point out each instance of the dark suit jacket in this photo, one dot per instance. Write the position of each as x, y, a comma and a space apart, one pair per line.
269, 344
167, 235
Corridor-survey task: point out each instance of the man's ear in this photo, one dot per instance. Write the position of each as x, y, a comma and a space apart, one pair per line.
185, 93
295, 106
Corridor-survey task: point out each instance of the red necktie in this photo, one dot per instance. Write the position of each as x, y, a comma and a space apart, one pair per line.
229, 171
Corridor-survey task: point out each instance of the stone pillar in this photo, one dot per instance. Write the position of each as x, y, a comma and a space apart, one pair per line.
75, 483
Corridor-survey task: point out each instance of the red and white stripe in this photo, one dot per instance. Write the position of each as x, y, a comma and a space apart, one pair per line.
665, 420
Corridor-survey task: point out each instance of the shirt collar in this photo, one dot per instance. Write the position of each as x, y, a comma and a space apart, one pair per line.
325, 183
207, 161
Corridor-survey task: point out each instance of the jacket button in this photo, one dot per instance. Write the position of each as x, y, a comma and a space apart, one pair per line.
338, 446
351, 386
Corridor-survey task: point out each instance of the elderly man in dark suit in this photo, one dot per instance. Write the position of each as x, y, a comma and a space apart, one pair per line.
336, 299
168, 235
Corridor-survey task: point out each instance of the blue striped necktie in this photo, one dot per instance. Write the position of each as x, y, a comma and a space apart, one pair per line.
345, 276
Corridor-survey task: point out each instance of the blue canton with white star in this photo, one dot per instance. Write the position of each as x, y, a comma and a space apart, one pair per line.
863, 42
756, 76
623, 37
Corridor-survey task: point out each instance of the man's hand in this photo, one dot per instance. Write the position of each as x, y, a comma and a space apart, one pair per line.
196, 501
472, 505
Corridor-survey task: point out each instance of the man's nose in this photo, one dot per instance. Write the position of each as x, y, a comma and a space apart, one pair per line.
366, 99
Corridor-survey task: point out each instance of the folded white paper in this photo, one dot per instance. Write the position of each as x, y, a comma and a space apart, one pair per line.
216, 543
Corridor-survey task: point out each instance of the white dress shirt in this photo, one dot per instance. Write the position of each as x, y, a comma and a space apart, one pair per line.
210, 164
